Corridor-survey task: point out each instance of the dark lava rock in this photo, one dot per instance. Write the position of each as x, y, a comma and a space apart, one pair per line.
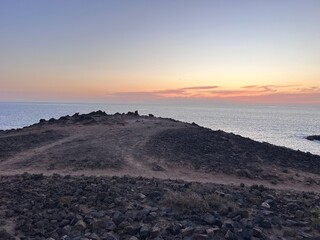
118, 217
110, 236
5, 235
173, 228
132, 229
209, 219
144, 231
157, 167
187, 231
154, 195
226, 152
257, 232
265, 224
313, 138
200, 237
154, 231
47, 207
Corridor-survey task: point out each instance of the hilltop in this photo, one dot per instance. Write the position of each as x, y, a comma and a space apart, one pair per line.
125, 176
129, 144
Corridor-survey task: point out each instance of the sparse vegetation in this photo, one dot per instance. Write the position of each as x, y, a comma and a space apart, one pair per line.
192, 200
316, 217
122, 207
186, 200
214, 200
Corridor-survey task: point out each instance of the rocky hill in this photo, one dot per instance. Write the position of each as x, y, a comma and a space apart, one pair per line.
155, 147
99, 176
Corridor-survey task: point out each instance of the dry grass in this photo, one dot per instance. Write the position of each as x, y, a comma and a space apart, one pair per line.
191, 200
186, 200
316, 218
214, 200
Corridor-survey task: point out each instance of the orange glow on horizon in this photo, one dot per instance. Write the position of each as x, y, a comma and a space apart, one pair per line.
254, 93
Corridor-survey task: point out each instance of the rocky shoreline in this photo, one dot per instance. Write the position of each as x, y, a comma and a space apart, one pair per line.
110, 208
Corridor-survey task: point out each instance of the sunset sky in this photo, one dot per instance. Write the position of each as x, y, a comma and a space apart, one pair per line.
118, 51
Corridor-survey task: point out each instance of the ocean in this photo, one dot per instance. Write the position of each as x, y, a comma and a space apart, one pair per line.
280, 125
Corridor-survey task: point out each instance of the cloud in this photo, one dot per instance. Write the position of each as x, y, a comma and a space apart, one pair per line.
252, 93
186, 91
176, 92
269, 86
308, 89
200, 88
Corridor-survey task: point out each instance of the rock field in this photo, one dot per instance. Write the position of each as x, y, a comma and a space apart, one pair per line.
84, 207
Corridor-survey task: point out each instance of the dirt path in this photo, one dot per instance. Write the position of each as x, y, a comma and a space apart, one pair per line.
9, 164
137, 169
124, 143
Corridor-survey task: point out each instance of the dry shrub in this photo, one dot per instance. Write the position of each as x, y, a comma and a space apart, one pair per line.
186, 200
190, 200
214, 200
316, 218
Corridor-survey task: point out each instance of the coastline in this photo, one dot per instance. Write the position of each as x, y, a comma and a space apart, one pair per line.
126, 176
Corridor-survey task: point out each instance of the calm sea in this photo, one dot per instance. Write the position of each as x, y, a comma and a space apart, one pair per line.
280, 125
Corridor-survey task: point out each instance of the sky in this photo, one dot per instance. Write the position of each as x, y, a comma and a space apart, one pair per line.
247, 51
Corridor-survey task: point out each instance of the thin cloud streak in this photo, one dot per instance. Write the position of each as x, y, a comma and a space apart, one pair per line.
256, 93
177, 92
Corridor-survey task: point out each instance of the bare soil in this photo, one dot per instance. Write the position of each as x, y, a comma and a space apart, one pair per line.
129, 144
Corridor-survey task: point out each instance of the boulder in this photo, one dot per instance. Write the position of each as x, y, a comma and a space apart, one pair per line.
313, 138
